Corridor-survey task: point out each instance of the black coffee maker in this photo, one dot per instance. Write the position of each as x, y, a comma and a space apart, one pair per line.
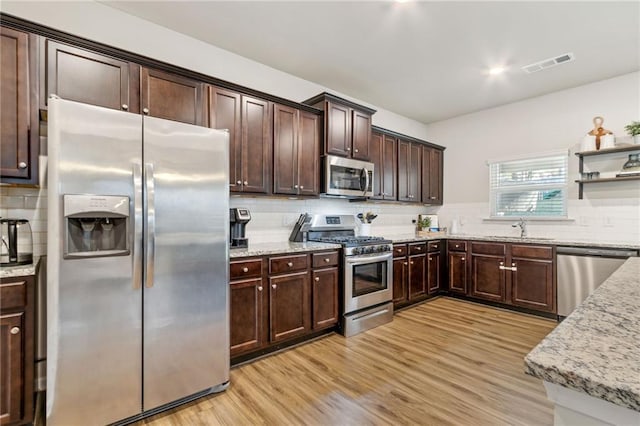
17, 242
238, 218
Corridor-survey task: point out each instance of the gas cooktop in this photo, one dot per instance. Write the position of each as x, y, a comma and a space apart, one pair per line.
352, 240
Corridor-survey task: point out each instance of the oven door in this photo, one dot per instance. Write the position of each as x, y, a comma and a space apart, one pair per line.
368, 281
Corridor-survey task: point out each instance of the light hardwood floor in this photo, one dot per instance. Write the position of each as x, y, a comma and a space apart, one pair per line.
442, 362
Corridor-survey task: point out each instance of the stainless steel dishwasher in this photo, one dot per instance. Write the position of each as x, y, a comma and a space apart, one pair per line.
582, 269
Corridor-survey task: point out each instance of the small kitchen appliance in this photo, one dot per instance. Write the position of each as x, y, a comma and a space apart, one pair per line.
238, 219
347, 178
17, 242
367, 269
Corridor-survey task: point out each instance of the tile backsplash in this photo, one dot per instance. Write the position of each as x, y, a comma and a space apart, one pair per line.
613, 219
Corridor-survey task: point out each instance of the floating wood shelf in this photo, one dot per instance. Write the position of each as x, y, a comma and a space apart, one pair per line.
616, 179
623, 148
616, 150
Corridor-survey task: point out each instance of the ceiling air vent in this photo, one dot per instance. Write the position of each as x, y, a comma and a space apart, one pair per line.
548, 63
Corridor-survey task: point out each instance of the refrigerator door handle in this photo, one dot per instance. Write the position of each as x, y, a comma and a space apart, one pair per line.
137, 226
150, 228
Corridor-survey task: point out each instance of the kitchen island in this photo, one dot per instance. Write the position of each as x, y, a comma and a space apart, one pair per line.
590, 363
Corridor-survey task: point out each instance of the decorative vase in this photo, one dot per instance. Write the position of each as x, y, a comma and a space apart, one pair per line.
636, 139
365, 229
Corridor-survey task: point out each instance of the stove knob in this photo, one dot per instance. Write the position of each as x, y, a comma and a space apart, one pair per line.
370, 249
356, 250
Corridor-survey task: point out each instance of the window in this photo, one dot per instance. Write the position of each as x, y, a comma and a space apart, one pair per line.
533, 187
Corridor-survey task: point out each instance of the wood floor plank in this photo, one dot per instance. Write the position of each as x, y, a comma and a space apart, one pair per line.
445, 362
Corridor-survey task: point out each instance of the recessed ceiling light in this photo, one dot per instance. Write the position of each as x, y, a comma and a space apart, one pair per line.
497, 70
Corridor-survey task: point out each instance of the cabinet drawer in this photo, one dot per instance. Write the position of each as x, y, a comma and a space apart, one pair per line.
434, 246
536, 252
325, 259
498, 249
245, 269
13, 294
418, 248
399, 250
457, 245
288, 263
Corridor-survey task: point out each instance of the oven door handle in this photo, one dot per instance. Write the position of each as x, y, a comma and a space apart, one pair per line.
364, 259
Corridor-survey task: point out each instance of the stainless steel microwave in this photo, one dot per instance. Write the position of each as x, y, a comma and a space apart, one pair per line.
347, 177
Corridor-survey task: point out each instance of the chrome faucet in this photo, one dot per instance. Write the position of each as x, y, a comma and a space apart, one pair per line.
523, 227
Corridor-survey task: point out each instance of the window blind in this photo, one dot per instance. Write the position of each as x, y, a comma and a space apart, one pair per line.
530, 187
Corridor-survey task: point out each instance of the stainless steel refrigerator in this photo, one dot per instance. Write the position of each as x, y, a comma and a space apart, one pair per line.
137, 286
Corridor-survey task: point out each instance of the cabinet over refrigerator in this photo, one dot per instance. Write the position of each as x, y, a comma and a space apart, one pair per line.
137, 264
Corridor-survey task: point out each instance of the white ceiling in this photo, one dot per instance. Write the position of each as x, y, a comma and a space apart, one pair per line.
424, 60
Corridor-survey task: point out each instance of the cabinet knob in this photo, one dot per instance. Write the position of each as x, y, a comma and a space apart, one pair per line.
239, 182
513, 264
22, 165
15, 330
259, 288
418, 248
274, 286
405, 263
457, 245
145, 111
435, 246
301, 187
399, 250
462, 259
295, 186
290, 264
317, 278
501, 263
348, 149
432, 198
245, 270
355, 150
430, 258
411, 262
125, 107
327, 260
245, 183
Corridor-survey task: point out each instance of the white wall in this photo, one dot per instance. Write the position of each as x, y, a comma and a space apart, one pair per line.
551, 122
104, 24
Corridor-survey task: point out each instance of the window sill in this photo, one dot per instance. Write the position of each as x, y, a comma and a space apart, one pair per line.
528, 219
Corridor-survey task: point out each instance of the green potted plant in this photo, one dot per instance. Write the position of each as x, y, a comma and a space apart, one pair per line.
633, 129
424, 223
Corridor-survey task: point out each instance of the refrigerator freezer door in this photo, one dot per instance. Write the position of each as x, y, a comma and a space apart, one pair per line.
186, 331
94, 305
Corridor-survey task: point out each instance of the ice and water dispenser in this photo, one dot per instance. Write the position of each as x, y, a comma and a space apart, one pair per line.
96, 225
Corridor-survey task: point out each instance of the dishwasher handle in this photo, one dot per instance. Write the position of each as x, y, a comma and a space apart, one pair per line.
599, 252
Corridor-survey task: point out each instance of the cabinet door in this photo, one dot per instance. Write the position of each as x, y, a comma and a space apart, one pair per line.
415, 172
172, 97
12, 379
83, 76
532, 284
487, 279
325, 298
417, 277
285, 155
404, 164
338, 129
389, 168
289, 306
361, 134
224, 113
17, 108
458, 272
400, 278
431, 176
433, 273
246, 315
309, 153
378, 165
256, 145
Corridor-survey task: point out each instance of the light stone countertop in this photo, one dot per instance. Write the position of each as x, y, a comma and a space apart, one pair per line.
596, 349
17, 271
280, 247
407, 238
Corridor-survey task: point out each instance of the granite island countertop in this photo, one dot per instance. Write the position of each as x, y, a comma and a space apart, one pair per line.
280, 247
596, 349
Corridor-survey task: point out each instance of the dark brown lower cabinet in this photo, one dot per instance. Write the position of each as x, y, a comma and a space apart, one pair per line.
324, 298
289, 312
487, 279
16, 350
400, 281
433, 273
533, 283
417, 275
246, 315
458, 272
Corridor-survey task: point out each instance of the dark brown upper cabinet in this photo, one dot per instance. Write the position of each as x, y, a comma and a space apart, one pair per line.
432, 167
296, 151
347, 126
409, 171
248, 122
19, 143
88, 77
384, 157
172, 97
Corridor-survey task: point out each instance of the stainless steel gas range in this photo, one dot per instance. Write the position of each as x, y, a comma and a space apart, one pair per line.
367, 269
